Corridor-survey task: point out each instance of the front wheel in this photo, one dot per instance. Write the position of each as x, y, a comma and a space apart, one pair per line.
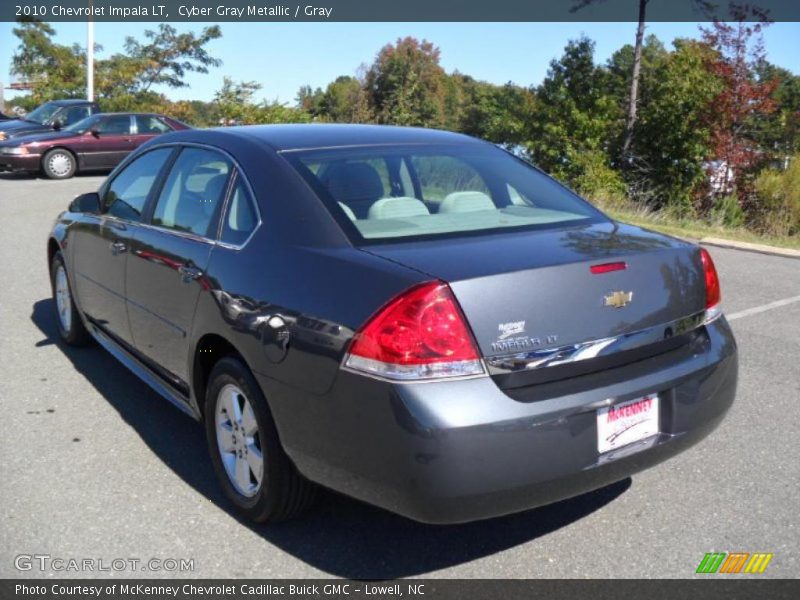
59, 164
70, 325
254, 471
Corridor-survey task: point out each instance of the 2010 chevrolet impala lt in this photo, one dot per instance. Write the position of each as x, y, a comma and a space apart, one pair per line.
414, 318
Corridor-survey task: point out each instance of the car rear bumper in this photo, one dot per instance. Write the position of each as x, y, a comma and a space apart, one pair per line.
449, 452
22, 163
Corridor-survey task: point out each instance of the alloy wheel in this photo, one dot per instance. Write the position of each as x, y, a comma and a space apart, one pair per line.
63, 299
239, 440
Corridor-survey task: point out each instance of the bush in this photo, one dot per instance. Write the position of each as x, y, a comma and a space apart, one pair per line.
726, 212
596, 180
778, 206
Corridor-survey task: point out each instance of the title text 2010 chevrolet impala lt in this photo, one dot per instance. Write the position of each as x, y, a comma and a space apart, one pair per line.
414, 318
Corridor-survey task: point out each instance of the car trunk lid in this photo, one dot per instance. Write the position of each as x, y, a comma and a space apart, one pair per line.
527, 291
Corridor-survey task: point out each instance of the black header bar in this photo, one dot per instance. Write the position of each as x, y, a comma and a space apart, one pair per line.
215, 11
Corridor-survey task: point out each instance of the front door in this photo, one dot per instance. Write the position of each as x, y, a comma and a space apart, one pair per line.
166, 268
103, 243
113, 142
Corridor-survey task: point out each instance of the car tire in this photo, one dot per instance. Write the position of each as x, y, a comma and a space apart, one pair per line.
70, 323
59, 164
236, 440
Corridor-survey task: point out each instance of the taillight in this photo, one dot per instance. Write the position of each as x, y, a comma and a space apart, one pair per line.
421, 334
713, 294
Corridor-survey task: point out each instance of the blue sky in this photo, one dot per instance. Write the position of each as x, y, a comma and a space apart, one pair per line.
284, 56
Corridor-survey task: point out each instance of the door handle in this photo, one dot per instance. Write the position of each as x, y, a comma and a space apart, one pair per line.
189, 273
118, 248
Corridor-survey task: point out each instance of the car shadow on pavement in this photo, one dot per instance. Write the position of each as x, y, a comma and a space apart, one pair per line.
341, 536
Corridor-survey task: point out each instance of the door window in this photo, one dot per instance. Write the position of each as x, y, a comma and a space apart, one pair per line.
193, 192
128, 192
116, 125
72, 115
149, 125
242, 218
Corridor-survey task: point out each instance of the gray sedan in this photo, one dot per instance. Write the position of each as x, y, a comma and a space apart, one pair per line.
412, 317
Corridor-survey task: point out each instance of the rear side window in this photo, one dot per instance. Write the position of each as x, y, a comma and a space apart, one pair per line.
127, 195
193, 192
241, 219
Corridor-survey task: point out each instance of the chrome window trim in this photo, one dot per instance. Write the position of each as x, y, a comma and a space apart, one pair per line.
228, 198
237, 170
573, 353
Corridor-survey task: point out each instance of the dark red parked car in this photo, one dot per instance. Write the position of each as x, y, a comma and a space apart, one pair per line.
98, 142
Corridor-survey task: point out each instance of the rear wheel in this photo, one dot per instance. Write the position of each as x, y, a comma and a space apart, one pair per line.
70, 324
59, 164
254, 471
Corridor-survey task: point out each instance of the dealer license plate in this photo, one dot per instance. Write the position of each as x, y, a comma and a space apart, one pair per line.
627, 422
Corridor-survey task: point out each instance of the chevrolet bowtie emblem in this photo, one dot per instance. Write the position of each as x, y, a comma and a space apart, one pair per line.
618, 299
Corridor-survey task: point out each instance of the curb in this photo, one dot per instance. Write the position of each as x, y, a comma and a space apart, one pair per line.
748, 247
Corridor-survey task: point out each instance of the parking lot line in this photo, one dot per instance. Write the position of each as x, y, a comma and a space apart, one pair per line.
764, 307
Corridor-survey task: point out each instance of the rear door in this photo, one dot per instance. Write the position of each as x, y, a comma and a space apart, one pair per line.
113, 141
101, 243
166, 272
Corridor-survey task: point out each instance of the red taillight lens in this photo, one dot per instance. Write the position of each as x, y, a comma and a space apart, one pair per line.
419, 335
713, 294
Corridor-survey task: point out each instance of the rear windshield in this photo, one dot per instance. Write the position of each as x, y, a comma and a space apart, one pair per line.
421, 192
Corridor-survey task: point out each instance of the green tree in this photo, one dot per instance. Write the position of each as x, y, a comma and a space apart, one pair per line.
53, 70
636, 63
620, 69
779, 132
574, 115
309, 100
123, 81
234, 102
168, 56
498, 113
406, 85
673, 138
343, 101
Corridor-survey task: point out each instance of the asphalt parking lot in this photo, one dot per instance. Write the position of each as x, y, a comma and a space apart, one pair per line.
95, 465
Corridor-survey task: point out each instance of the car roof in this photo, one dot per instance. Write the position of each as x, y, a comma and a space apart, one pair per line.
328, 135
70, 101
127, 114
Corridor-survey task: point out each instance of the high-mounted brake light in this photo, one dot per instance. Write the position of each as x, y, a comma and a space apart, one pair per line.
608, 267
713, 294
421, 334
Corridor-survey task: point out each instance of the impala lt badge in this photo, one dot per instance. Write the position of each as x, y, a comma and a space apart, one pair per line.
618, 299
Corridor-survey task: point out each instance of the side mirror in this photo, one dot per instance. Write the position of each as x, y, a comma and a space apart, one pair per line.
86, 203
58, 124
95, 131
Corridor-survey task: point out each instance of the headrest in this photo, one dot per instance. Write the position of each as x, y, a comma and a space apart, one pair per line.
461, 202
396, 208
